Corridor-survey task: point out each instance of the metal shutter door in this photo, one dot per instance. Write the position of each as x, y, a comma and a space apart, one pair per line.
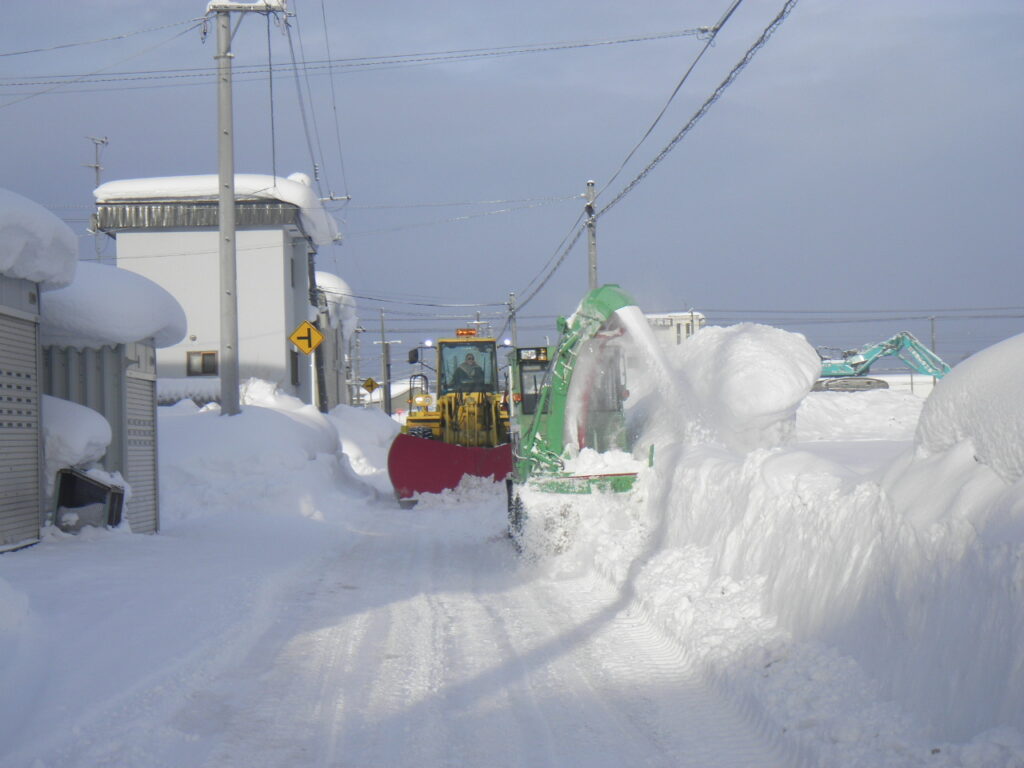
140, 456
19, 432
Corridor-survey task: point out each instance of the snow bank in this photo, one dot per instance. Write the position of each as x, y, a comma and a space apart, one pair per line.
280, 452
748, 381
982, 401
297, 190
73, 436
866, 600
107, 305
34, 244
366, 436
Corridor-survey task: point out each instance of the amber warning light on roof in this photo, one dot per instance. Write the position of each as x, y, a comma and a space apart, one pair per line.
465, 331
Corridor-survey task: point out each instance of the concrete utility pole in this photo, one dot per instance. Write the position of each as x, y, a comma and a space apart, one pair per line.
591, 236
227, 365
98, 142
385, 365
512, 318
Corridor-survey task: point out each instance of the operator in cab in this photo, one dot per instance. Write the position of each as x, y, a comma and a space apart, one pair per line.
468, 374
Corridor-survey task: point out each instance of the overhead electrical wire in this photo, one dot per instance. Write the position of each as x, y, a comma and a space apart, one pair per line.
716, 94
708, 103
319, 168
712, 34
121, 36
84, 78
302, 109
242, 72
334, 101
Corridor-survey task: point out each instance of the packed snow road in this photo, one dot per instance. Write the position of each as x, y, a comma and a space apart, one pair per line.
426, 644
426, 641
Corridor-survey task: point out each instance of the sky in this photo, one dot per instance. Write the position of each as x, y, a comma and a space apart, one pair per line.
863, 174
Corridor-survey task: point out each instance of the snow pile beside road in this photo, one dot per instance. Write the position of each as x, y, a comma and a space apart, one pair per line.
811, 585
981, 401
748, 381
283, 454
874, 415
366, 435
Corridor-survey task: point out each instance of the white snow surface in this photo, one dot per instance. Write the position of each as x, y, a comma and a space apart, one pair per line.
981, 402
106, 305
297, 190
826, 593
34, 243
73, 436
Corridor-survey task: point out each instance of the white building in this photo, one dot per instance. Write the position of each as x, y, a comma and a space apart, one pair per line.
672, 328
166, 230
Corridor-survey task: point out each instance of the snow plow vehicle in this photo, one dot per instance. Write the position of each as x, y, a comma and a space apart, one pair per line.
461, 430
568, 398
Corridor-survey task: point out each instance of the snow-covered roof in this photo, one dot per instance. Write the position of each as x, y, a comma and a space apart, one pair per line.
34, 244
107, 305
297, 190
341, 304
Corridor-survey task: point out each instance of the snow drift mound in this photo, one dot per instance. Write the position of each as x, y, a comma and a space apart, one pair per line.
280, 452
748, 381
981, 400
870, 607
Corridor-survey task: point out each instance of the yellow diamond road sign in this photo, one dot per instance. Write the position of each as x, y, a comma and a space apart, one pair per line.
306, 337
369, 385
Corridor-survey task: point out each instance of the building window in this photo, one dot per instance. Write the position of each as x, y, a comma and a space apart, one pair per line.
201, 364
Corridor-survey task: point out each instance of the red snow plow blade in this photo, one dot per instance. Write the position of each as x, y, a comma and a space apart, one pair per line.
417, 465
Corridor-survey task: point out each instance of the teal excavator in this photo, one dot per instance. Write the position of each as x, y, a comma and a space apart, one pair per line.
849, 372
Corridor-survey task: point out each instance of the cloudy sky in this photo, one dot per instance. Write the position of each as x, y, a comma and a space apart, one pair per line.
863, 174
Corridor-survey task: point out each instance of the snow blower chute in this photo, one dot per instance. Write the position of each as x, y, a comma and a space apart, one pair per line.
568, 398
462, 430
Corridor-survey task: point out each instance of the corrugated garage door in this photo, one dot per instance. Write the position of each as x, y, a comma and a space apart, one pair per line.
140, 455
19, 432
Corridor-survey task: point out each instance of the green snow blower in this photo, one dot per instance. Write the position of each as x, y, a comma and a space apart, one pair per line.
567, 398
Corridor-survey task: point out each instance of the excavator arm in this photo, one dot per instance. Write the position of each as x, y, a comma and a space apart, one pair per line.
858, 362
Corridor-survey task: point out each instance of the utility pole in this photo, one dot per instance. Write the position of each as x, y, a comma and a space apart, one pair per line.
356, 383
385, 364
98, 142
512, 318
591, 236
227, 365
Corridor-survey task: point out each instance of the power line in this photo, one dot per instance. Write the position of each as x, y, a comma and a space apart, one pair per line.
334, 101
84, 78
302, 109
121, 36
730, 78
316, 66
449, 220
710, 40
